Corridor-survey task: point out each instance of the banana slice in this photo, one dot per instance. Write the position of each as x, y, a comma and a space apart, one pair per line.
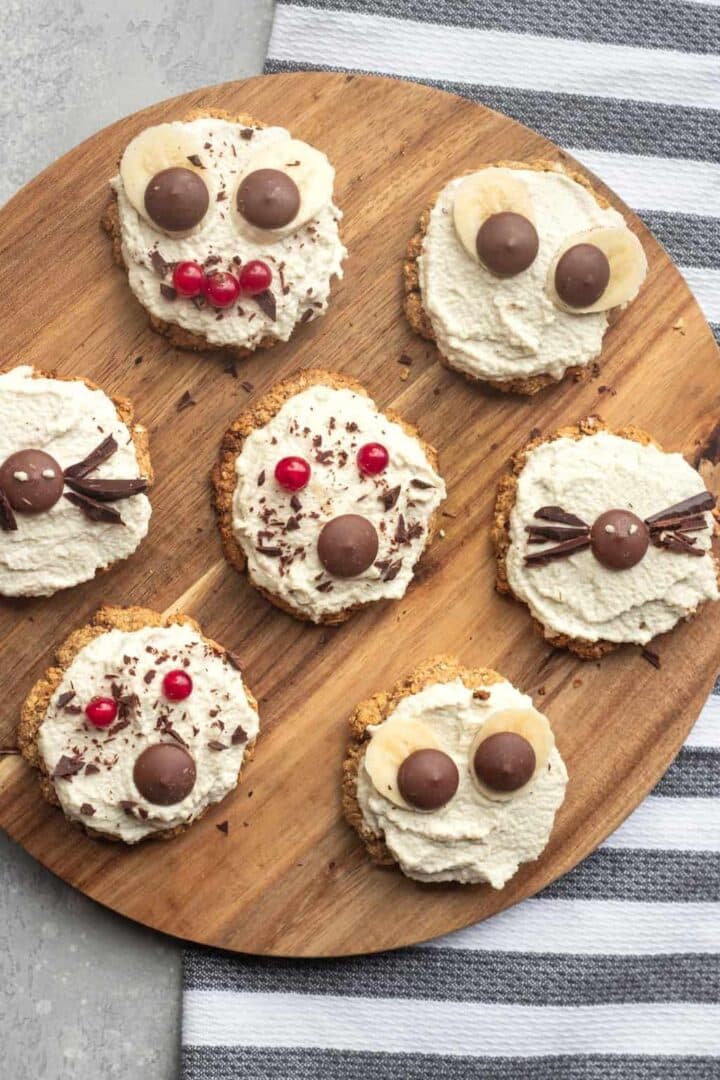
597, 270
389, 746
508, 752
493, 217
181, 198
284, 186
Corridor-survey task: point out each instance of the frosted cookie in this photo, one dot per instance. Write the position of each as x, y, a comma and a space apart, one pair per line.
605, 537
453, 776
140, 726
327, 502
74, 467
515, 272
227, 230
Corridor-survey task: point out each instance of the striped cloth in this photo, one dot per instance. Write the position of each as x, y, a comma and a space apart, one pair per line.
613, 972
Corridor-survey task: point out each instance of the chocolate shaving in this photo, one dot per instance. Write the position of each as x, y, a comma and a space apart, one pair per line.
401, 535
295, 503
271, 552
390, 497
9, 750
96, 457
186, 401
233, 660
481, 695
651, 656
691, 523
306, 315
215, 744
87, 810
392, 570
292, 524
199, 302
239, 736
223, 827
168, 291
95, 511
8, 521
149, 676
159, 264
694, 505
108, 490
678, 543
556, 513
324, 586
91, 769
63, 700
170, 730
267, 303
576, 543
422, 485
194, 159
67, 767
553, 532
247, 386
261, 478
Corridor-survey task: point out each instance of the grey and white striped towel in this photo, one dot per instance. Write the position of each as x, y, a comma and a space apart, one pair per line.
613, 972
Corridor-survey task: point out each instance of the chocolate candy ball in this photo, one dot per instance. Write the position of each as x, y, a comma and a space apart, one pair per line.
164, 774
428, 779
504, 761
32, 481
507, 243
619, 539
268, 198
347, 545
582, 275
177, 199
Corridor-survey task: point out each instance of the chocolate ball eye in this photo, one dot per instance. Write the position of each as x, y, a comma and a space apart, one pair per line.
619, 539
177, 199
507, 243
428, 779
268, 198
582, 275
347, 545
31, 480
164, 774
504, 761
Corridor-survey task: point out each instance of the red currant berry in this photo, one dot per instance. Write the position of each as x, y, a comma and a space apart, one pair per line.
189, 279
177, 685
292, 473
372, 458
222, 289
255, 277
101, 711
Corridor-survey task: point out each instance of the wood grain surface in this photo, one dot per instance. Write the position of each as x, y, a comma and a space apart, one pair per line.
290, 877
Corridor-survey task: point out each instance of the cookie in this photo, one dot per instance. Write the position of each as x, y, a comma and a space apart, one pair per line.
452, 776
604, 536
140, 726
324, 500
516, 272
74, 468
227, 229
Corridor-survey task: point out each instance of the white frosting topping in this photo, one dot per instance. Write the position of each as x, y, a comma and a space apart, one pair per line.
577, 595
61, 546
506, 328
217, 706
472, 838
302, 263
326, 427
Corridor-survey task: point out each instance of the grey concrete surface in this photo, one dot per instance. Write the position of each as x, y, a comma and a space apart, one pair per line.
85, 995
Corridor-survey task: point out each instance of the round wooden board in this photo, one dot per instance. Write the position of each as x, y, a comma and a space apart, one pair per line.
291, 878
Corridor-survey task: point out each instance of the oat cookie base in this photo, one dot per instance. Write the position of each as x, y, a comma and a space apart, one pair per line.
505, 501
439, 669
420, 322
37, 702
256, 416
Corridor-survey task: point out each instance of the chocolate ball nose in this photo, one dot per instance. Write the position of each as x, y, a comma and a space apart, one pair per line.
619, 539
347, 545
32, 481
